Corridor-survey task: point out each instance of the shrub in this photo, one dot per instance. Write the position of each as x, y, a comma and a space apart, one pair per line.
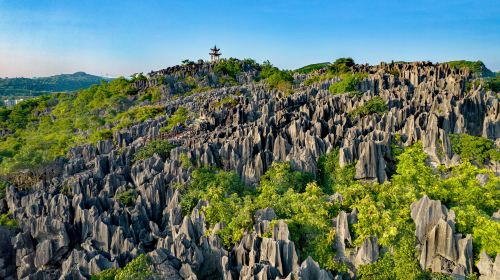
7, 221
137, 269
348, 83
230, 67
3, 188
474, 148
374, 105
312, 67
341, 66
180, 116
276, 78
185, 161
318, 78
137, 115
162, 148
104, 134
127, 197
476, 67
226, 101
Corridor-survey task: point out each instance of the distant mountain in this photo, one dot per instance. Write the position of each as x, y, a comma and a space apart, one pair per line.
43, 85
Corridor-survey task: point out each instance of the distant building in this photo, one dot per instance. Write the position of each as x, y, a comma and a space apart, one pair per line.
215, 54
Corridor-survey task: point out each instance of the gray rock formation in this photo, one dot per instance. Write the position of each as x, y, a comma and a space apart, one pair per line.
71, 226
440, 248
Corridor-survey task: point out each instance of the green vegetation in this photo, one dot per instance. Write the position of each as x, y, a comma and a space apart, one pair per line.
161, 148
383, 209
153, 94
230, 67
311, 68
227, 101
348, 83
137, 269
374, 105
276, 78
476, 67
493, 83
6, 220
478, 149
127, 197
3, 188
179, 117
318, 78
341, 66
136, 115
39, 86
43, 128
185, 161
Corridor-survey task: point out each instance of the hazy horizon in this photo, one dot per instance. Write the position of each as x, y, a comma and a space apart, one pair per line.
45, 38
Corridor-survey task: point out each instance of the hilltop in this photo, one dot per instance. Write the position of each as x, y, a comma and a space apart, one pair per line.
28, 87
241, 170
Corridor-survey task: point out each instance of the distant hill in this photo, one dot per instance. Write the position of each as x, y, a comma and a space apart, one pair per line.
477, 67
43, 85
311, 67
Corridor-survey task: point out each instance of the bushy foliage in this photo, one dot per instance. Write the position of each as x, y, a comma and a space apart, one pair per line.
341, 66
137, 115
161, 148
230, 67
476, 148
374, 105
126, 197
46, 127
476, 67
318, 78
3, 188
6, 220
137, 269
276, 78
312, 67
348, 83
179, 117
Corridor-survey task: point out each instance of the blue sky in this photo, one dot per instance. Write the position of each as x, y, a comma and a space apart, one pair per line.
39, 38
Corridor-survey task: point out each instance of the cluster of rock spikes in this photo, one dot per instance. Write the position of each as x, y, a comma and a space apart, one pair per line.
72, 227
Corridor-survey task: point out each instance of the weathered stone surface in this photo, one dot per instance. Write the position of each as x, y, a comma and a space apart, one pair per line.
441, 249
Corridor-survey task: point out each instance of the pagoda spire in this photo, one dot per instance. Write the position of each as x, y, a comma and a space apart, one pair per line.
215, 54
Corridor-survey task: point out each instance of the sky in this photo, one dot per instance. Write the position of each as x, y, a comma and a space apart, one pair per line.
113, 38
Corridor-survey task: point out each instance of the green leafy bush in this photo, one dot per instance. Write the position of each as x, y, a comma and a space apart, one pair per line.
318, 78
341, 66
180, 116
476, 67
7, 221
348, 83
374, 105
276, 78
162, 148
312, 67
230, 67
127, 197
478, 149
137, 269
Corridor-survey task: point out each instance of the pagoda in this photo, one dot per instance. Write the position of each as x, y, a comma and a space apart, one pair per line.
215, 54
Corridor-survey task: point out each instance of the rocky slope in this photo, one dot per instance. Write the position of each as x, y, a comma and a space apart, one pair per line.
71, 226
